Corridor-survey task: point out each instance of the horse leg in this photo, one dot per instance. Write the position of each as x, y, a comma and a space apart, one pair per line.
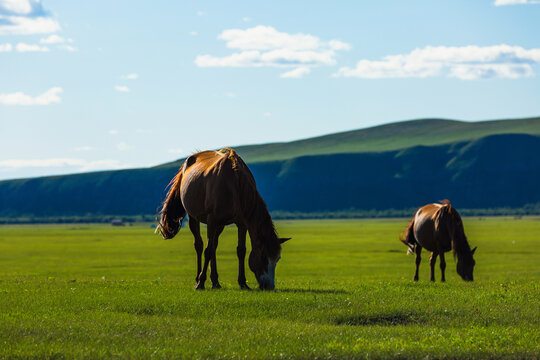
432, 261
443, 266
195, 227
418, 252
210, 252
213, 268
241, 253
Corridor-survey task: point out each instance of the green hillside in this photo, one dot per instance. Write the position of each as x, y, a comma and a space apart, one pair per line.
493, 171
387, 137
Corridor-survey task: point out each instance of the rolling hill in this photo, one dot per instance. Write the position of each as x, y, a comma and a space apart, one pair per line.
493, 164
490, 172
386, 137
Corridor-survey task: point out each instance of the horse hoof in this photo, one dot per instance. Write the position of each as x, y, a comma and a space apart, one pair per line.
199, 286
216, 286
415, 279
244, 287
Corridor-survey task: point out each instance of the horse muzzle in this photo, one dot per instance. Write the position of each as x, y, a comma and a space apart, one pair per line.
266, 286
266, 282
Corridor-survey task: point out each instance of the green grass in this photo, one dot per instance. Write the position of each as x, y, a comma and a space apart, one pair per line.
344, 290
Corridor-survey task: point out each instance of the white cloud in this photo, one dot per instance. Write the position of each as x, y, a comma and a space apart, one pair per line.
339, 45
230, 95
246, 19
54, 162
59, 41
466, 62
486, 71
103, 165
67, 47
267, 114
201, 13
515, 2
75, 163
52, 39
121, 88
193, 33
267, 38
265, 46
276, 58
20, 25
51, 96
122, 146
25, 17
113, 132
23, 47
20, 7
6, 47
296, 73
132, 76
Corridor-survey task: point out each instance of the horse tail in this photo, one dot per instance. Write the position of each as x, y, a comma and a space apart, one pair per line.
407, 237
172, 212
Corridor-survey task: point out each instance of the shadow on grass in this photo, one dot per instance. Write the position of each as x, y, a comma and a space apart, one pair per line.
389, 319
312, 291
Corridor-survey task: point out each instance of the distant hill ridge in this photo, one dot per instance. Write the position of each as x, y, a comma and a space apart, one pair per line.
393, 136
497, 170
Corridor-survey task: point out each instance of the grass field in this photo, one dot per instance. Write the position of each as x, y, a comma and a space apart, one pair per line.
344, 290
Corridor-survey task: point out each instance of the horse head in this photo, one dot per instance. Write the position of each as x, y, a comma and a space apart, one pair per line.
264, 265
449, 220
465, 265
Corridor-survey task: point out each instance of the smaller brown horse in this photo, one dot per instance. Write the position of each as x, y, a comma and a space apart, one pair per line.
438, 228
218, 189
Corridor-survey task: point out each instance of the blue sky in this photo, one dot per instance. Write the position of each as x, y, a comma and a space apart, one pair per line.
98, 85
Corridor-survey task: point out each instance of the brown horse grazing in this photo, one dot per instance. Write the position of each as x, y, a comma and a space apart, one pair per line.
218, 189
438, 228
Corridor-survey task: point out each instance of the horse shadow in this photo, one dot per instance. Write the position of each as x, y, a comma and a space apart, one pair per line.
312, 291
392, 318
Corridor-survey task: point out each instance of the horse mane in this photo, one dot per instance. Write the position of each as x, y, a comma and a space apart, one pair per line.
446, 202
253, 208
234, 157
447, 216
172, 212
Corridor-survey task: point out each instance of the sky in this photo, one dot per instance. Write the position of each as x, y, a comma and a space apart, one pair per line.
95, 85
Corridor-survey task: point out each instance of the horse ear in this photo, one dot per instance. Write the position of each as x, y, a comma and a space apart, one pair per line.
473, 250
282, 240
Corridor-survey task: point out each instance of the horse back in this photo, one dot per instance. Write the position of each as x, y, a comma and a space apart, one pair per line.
209, 186
214, 184
427, 231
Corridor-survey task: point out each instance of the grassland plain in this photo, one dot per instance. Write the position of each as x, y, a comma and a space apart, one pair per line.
344, 290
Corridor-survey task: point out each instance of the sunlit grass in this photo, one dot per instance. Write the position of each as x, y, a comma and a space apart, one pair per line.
344, 290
